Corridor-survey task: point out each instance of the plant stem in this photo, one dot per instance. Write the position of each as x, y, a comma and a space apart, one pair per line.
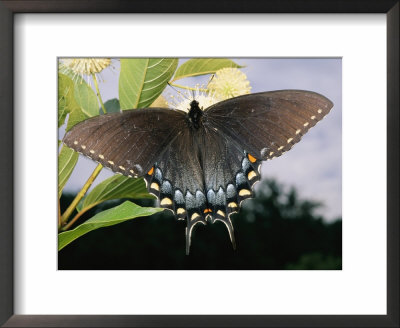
187, 88
76, 217
59, 214
80, 195
96, 85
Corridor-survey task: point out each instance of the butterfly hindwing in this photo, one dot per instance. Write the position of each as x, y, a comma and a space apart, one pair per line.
178, 178
229, 173
203, 175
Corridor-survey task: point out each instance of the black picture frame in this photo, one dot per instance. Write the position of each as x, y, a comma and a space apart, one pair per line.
7, 11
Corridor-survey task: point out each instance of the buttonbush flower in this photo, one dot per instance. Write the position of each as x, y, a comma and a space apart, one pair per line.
228, 83
183, 100
79, 68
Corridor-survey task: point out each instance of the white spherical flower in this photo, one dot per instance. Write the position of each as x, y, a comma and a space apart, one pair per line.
229, 83
86, 66
183, 100
79, 68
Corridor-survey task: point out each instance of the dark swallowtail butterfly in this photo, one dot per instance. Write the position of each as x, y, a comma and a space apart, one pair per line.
201, 164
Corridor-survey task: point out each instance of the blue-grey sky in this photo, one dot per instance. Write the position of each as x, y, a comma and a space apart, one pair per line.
313, 166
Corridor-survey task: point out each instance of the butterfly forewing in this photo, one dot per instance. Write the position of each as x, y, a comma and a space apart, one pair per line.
268, 124
129, 142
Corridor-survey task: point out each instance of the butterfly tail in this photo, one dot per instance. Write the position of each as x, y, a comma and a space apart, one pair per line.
189, 229
229, 227
188, 240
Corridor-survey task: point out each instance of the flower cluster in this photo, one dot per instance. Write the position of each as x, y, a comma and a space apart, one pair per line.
183, 100
83, 67
227, 83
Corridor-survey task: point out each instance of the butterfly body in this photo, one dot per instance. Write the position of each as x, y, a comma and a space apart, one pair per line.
201, 164
195, 115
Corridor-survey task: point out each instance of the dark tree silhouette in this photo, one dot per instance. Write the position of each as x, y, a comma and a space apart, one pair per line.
274, 231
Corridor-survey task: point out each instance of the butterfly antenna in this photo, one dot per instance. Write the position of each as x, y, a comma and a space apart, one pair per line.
209, 81
177, 91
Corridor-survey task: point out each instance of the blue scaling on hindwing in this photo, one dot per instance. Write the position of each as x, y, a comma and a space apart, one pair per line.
197, 206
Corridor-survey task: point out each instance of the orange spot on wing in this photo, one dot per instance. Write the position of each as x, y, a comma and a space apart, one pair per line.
151, 171
207, 210
251, 158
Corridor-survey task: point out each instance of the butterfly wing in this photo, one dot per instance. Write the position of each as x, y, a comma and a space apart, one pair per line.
229, 175
154, 143
178, 181
241, 132
206, 172
127, 142
268, 124
202, 174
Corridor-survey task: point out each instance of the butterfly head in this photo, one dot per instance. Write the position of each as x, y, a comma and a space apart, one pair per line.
195, 114
194, 103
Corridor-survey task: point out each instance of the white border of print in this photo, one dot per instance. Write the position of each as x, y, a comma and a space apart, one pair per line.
360, 288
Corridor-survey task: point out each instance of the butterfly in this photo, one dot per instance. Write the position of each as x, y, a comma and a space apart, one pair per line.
201, 164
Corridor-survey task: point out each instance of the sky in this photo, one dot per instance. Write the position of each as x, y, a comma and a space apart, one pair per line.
313, 166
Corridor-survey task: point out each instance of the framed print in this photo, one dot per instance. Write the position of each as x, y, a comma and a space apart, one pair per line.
293, 266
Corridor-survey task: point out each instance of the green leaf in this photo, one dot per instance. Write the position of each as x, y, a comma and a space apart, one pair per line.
86, 99
66, 162
202, 66
141, 81
75, 117
118, 186
125, 211
112, 106
79, 207
62, 110
66, 101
